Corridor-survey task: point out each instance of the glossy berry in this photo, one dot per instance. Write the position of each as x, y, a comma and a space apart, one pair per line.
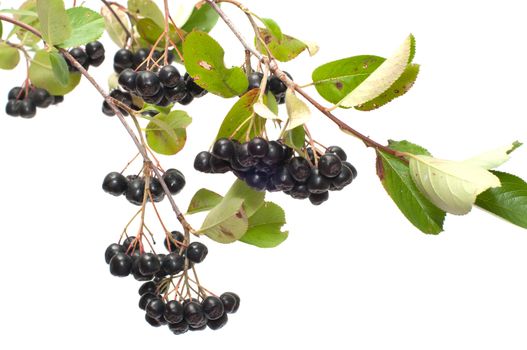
338, 151
128, 243
96, 62
231, 302
148, 83
202, 162
27, 109
282, 179
274, 155
127, 79
255, 80
187, 99
121, 265
258, 147
149, 264
139, 57
318, 198
243, 157
156, 190
145, 299
212, 307
115, 184
317, 183
123, 59
152, 321
219, 323
173, 312
329, 165
193, 314
343, 179
197, 252
58, 99
155, 99
257, 180
300, 191
148, 287
175, 236
219, 166
94, 50
351, 168
80, 55
155, 308
136, 191
277, 86
194, 89
223, 148
41, 97
169, 76
176, 93
299, 169
175, 180
179, 328
173, 263
12, 108
112, 250
16, 93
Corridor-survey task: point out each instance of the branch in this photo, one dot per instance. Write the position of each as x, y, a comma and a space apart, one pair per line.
120, 116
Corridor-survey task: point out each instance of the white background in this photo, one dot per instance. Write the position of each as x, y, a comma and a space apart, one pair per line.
354, 274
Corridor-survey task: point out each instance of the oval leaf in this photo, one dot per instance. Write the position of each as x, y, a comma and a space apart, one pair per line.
60, 68
9, 56
265, 227
204, 61
147, 9
87, 26
237, 122
54, 21
203, 200
203, 19
451, 186
42, 75
382, 78
284, 49
298, 111
114, 29
166, 134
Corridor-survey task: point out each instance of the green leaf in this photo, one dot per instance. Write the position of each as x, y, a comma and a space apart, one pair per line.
147, 9
451, 186
395, 177
150, 31
9, 56
166, 133
273, 28
25, 37
237, 122
284, 49
87, 26
55, 24
383, 77
297, 110
204, 61
399, 88
295, 138
335, 80
60, 68
42, 75
265, 227
228, 221
203, 19
114, 29
408, 147
203, 200
508, 201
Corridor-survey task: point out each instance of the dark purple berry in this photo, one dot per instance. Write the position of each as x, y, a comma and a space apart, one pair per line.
329, 165
282, 179
148, 287
343, 179
155, 308
16, 93
219, 323
255, 80
94, 50
12, 108
139, 57
112, 250
179, 328
223, 149
258, 147
300, 191
123, 59
197, 252
169, 76
152, 321
115, 184
145, 299
27, 109
147, 83
202, 162
174, 312
193, 314
127, 79
173, 263
120, 265
299, 169
41, 97
338, 151
212, 307
351, 168
318, 198
257, 180
274, 155
136, 191
176, 93
175, 237
317, 183
219, 166
231, 302
175, 180
187, 99
194, 89
149, 264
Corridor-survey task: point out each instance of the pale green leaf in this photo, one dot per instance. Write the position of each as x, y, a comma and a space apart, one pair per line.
60, 68
265, 112
295, 138
203, 200
147, 9
55, 23
9, 56
87, 26
114, 29
495, 158
166, 133
265, 227
42, 75
297, 110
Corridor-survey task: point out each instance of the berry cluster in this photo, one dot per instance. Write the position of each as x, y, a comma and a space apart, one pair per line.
93, 54
23, 102
272, 166
274, 84
133, 186
158, 271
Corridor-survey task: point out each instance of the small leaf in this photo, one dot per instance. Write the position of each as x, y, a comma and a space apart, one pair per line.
265, 112
284, 49
271, 102
55, 24
408, 147
508, 201
382, 78
150, 31
147, 9
166, 133
25, 37
295, 138
395, 177
114, 29
399, 88
237, 122
204, 61
273, 28
451, 186
9, 56
203, 19
203, 200
60, 68
87, 26
495, 158
42, 75
298, 111
265, 227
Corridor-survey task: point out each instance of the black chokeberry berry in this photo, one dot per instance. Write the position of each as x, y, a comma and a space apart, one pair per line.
300, 191
169, 76
173, 263
338, 151
152, 321
112, 250
147, 83
16, 93
58, 99
223, 148
121, 265
80, 56
318, 198
123, 59
27, 109
179, 328
277, 86
94, 50
139, 57
351, 168
175, 241
299, 169
219, 166
282, 179
275, 154
149, 264
115, 184
257, 180
255, 80
156, 190
176, 93
127, 79
243, 157
174, 312
155, 308
231, 302
213, 307
41, 97
145, 299
197, 252
193, 314
187, 99
148, 287
258, 147
194, 89
136, 191
12, 108
202, 162
107, 110
317, 183
96, 62
219, 323
175, 180
329, 165
129, 243
343, 179
157, 99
